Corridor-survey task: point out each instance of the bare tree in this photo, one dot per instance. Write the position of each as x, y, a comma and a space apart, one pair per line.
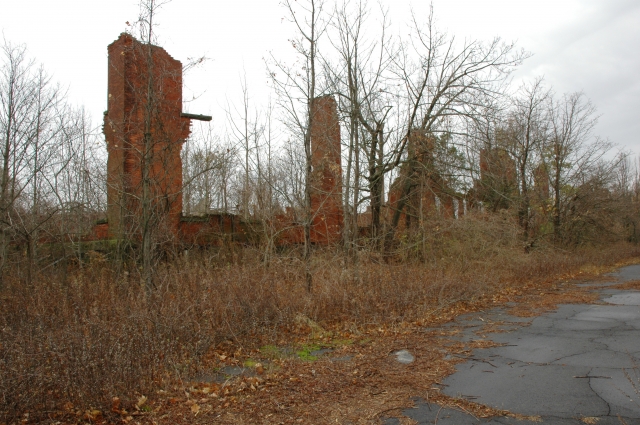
297, 88
207, 168
446, 83
572, 153
367, 89
31, 121
51, 160
525, 133
76, 181
16, 101
149, 9
48, 124
247, 132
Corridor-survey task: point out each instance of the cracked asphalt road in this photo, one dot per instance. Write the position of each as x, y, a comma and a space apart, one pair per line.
579, 364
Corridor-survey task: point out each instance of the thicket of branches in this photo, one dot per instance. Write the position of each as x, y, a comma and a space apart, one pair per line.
52, 182
566, 185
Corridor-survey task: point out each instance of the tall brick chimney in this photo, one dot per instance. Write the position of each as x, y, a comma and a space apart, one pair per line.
326, 176
145, 84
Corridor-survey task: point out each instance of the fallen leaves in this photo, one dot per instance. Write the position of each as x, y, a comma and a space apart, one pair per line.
195, 408
534, 305
93, 414
141, 401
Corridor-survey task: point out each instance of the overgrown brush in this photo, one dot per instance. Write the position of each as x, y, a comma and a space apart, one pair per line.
98, 334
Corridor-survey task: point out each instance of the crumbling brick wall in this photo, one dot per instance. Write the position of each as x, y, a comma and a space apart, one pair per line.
326, 178
216, 229
429, 192
145, 100
144, 96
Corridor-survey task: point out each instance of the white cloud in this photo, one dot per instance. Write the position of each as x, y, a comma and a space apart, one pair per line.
588, 45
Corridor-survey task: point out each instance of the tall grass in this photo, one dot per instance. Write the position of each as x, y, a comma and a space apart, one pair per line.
98, 334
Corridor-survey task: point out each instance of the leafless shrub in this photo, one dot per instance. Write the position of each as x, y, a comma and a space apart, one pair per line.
96, 335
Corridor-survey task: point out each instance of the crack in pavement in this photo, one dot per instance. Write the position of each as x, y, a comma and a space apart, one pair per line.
597, 394
537, 370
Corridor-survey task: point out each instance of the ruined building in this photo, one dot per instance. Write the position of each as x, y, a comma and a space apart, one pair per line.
145, 129
541, 182
326, 175
420, 190
326, 182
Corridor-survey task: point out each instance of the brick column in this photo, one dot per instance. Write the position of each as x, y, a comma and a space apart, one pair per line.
326, 178
143, 78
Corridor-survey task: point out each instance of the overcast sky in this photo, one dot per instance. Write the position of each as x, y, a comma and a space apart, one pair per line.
587, 45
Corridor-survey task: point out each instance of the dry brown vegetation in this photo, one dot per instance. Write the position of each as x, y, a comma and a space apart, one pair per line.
501, 195
74, 339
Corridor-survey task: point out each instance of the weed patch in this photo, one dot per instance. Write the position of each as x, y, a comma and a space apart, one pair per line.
72, 345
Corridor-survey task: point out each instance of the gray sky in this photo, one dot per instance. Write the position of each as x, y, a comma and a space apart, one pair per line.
588, 45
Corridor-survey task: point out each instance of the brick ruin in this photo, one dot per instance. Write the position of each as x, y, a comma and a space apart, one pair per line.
498, 187
145, 100
326, 175
429, 192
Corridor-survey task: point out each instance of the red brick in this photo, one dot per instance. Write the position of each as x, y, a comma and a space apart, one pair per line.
326, 178
143, 76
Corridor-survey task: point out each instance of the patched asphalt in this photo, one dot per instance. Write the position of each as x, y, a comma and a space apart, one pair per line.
579, 364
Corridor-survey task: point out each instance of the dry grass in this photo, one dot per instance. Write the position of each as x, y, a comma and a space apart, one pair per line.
73, 344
